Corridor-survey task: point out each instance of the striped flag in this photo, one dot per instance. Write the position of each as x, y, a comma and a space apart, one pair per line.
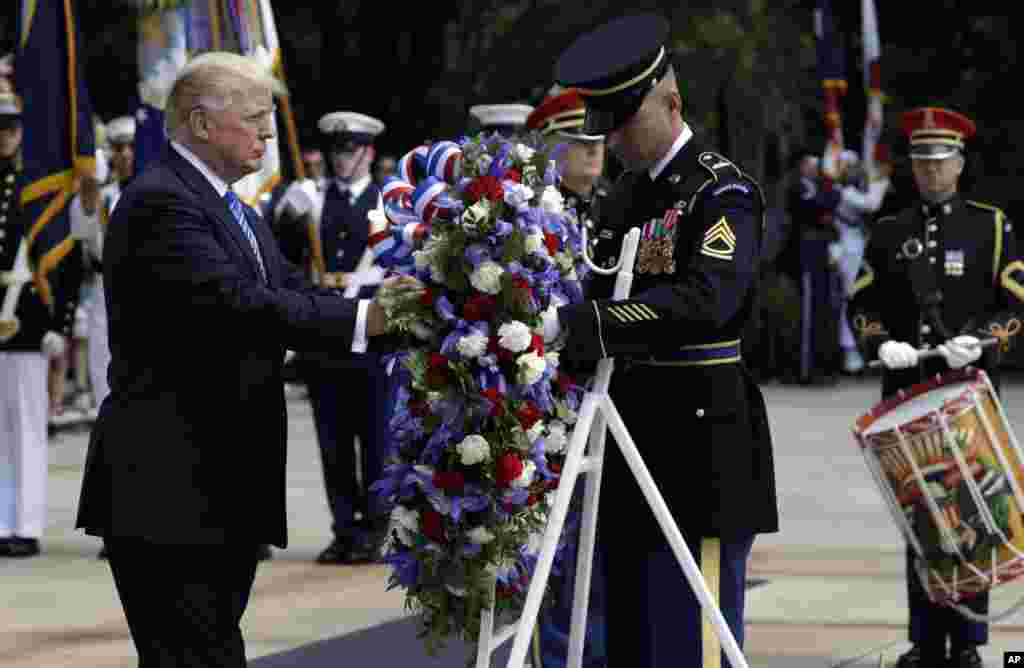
832, 72
872, 81
57, 118
171, 31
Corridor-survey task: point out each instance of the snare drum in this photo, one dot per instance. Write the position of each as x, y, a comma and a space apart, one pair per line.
951, 471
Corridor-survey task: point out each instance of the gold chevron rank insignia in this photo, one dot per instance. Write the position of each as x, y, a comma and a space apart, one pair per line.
719, 241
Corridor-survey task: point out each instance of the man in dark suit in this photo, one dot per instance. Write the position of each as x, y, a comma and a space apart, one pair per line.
185, 473
695, 412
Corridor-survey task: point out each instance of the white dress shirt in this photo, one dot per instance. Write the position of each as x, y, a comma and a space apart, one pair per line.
658, 167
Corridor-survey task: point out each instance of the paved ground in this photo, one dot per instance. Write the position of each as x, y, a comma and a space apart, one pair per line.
833, 595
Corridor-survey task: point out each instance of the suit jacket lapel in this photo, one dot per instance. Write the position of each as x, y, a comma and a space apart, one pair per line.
214, 205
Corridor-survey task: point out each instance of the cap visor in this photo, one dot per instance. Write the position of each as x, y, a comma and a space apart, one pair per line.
933, 151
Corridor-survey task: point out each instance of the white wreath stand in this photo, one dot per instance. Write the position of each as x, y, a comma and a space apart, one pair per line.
596, 415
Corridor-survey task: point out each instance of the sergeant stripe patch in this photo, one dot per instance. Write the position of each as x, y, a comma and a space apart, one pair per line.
719, 241
630, 313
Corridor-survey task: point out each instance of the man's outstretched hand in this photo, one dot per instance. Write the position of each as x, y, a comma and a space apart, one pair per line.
376, 315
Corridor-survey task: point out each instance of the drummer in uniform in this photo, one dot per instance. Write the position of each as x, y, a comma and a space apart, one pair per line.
943, 274
504, 119
348, 392
678, 339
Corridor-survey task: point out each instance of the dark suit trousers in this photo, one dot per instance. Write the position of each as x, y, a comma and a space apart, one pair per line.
184, 604
931, 624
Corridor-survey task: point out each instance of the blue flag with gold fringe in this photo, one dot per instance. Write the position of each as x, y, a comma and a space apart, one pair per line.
59, 141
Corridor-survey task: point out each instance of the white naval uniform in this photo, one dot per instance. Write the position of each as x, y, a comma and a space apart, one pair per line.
855, 206
90, 230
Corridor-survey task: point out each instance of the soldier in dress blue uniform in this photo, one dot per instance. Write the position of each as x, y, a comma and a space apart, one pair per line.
693, 408
941, 274
32, 333
559, 118
504, 119
349, 392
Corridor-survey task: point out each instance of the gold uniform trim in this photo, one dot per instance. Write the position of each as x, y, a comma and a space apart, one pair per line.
713, 346
1007, 281
723, 360
719, 232
1000, 220
622, 86
864, 280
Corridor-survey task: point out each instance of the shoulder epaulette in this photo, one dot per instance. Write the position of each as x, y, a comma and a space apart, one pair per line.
718, 165
986, 207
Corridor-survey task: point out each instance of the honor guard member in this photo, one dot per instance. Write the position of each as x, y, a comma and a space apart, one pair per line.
944, 274
349, 393
678, 336
90, 211
32, 332
559, 118
504, 119
296, 216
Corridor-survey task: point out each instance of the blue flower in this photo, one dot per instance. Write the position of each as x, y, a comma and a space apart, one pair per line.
405, 569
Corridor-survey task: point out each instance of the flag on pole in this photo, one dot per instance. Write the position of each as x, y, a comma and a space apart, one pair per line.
60, 142
872, 81
171, 32
832, 72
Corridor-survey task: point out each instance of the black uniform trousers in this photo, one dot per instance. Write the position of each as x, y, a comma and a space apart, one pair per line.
184, 610
346, 403
931, 624
819, 312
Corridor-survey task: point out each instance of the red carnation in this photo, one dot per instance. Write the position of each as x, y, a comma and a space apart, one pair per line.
537, 344
509, 467
528, 414
479, 307
433, 525
449, 481
496, 399
513, 175
486, 186
555, 467
503, 354
552, 242
532, 500
427, 298
437, 371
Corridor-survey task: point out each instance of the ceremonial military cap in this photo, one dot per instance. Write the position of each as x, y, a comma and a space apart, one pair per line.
348, 130
121, 130
561, 113
614, 67
505, 118
936, 133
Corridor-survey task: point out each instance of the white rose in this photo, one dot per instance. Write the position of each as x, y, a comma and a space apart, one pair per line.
476, 214
524, 152
535, 244
536, 431
557, 438
473, 449
487, 277
407, 518
531, 368
515, 336
526, 477
480, 535
472, 346
551, 200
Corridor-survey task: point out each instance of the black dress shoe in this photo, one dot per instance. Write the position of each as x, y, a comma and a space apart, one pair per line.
362, 552
5, 546
23, 547
103, 554
263, 552
335, 553
966, 658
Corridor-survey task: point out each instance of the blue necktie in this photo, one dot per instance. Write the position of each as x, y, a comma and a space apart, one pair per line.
238, 212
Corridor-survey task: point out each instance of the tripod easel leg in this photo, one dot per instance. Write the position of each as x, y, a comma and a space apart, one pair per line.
710, 566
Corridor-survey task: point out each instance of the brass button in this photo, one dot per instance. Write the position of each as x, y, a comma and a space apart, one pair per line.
700, 412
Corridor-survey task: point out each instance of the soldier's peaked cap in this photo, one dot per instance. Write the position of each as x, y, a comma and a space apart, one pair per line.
614, 67
346, 130
936, 133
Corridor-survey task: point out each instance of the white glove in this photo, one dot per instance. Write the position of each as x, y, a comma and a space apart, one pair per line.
299, 197
53, 344
961, 351
897, 355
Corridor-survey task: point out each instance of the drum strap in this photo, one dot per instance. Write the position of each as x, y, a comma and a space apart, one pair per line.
710, 566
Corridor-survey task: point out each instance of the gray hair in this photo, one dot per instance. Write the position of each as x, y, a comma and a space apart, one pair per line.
213, 80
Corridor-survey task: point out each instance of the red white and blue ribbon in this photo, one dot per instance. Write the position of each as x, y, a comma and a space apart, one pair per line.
397, 191
444, 161
412, 167
425, 198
